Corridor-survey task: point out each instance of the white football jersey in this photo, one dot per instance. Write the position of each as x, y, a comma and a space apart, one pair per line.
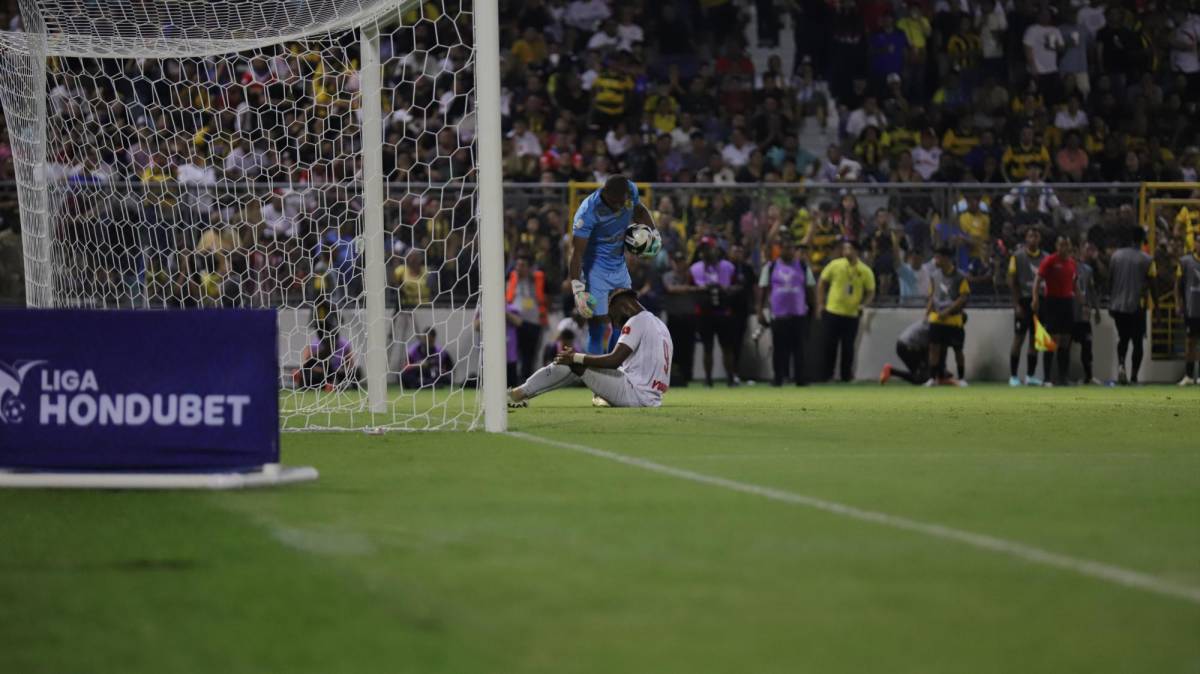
648, 368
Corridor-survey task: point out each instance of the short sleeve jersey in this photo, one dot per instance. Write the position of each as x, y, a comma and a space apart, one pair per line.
648, 368
847, 285
605, 230
1130, 267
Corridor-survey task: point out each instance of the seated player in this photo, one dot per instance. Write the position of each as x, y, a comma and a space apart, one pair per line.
634, 374
428, 364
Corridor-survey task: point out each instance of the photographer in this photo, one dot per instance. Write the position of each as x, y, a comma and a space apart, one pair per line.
716, 280
785, 287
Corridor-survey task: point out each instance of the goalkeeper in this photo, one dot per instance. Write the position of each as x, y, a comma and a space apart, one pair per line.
598, 251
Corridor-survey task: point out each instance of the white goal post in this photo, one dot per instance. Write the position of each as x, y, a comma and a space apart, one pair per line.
337, 160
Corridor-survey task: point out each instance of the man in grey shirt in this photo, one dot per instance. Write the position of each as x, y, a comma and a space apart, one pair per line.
1187, 301
1129, 270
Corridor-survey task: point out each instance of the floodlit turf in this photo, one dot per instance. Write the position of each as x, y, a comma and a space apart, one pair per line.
456, 552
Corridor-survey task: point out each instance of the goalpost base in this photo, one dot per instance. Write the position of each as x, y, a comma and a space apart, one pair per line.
270, 475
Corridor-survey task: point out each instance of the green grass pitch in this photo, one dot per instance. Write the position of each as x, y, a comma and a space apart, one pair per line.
465, 552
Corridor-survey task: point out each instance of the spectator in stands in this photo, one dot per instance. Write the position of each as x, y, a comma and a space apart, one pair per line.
717, 282
526, 289
837, 167
928, 156
610, 93
737, 152
1043, 43
868, 115
845, 287
680, 303
889, 47
1017, 158
785, 286
976, 225
413, 281
1057, 273
1022, 270
428, 364
1071, 160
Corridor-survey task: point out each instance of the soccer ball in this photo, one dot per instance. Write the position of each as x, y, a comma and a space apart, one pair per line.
642, 240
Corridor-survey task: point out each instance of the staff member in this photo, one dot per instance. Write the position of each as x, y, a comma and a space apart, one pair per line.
787, 283
717, 280
1129, 270
527, 290
948, 291
1058, 273
846, 286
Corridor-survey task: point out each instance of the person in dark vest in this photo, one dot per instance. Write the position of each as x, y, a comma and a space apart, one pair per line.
785, 288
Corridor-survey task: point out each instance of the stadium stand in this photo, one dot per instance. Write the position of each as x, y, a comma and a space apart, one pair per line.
901, 125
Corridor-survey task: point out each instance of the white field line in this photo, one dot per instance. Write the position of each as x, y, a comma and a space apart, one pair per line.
1086, 567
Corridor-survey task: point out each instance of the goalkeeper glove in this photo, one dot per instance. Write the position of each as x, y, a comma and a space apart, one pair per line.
584, 303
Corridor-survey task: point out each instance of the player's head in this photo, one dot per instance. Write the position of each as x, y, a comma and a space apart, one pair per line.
1062, 245
615, 192
1137, 236
622, 305
430, 339
1033, 238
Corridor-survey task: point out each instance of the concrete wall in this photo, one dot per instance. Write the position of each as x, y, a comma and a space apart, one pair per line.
989, 335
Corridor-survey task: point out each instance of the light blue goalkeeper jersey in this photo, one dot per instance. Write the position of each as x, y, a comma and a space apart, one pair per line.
605, 231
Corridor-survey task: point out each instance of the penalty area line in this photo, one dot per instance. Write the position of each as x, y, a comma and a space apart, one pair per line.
1027, 553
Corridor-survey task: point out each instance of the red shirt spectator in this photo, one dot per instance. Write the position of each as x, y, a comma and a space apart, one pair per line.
1059, 273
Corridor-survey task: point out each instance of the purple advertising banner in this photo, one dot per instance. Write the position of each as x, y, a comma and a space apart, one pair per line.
187, 390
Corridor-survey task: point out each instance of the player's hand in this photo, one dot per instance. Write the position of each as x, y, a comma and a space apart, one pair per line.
564, 357
583, 299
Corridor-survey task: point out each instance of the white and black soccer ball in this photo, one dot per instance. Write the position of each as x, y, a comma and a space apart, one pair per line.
642, 240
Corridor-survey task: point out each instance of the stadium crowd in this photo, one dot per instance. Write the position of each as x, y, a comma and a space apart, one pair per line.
879, 129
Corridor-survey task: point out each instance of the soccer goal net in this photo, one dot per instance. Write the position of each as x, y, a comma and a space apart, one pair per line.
325, 158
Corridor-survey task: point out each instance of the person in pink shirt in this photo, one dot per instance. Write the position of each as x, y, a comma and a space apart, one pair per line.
716, 278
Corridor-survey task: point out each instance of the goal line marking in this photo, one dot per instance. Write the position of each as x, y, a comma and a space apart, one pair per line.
1086, 567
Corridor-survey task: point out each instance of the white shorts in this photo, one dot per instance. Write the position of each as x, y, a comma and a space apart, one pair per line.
615, 387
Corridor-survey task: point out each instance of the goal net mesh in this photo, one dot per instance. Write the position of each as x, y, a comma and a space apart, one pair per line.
192, 155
